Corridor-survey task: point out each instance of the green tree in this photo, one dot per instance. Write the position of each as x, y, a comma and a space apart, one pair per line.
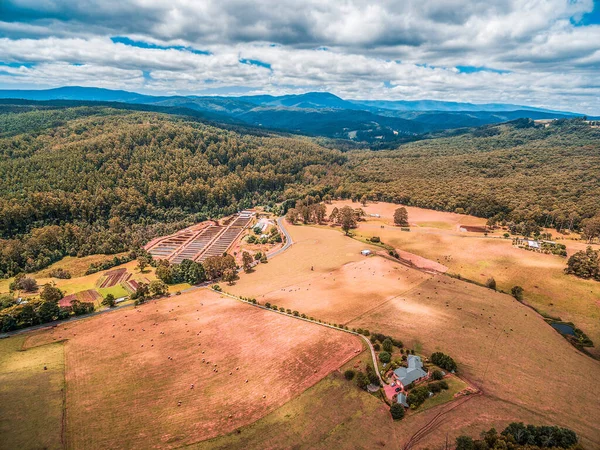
397, 411
401, 217
142, 263
349, 374
464, 443
230, 276
109, 301
491, 283
362, 381
48, 311
387, 345
158, 287
247, 261
51, 293
385, 357
347, 219
517, 292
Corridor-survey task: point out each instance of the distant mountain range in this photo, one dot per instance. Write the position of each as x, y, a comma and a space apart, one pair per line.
315, 113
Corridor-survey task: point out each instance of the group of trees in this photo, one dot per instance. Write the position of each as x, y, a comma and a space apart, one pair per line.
417, 395
43, 308
187, 272
443, 361
518, 436
310, 209
585, 264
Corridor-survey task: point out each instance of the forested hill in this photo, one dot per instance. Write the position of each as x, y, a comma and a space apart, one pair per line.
107, 180
517, 171
76, 181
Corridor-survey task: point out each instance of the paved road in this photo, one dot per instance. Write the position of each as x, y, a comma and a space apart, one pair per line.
288, 239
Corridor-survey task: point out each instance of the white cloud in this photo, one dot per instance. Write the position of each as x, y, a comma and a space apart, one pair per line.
414, 44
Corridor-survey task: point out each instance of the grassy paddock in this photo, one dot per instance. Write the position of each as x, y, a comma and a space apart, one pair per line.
31, 398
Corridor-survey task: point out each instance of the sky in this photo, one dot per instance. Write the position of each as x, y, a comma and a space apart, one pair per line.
543, 53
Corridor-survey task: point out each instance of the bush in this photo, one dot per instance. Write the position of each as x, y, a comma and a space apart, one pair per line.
385, 357
437, 375
517, 292
387, 345
216, 287
397, 411
375, 239
443, 361
60, 273
491, 283
376, 347
362, 381
349, 374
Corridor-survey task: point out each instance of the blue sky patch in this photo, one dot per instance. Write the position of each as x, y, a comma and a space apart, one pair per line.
255, 62
141, 44
473, 69
17, 64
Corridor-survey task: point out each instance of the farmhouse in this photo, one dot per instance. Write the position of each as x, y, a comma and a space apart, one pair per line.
412, 373
401, 398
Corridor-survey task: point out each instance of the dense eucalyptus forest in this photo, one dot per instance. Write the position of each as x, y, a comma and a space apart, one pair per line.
77, 181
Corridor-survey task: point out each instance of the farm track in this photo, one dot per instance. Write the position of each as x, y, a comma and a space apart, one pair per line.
430, 426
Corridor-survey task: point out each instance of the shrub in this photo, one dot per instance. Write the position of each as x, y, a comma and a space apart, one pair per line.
60, 273
385, 357
375, 239
517, 292
443, 361
362, 381
376, 347
349, 374
387, 345
491, 283
437, 375
397, 411
216, 287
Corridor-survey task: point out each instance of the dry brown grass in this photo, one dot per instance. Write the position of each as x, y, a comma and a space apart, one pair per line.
526, 370
478, 258
123, 391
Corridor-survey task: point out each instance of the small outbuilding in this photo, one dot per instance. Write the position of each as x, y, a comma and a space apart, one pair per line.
365, 252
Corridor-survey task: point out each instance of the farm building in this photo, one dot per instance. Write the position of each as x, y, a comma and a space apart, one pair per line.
412, 373
365, 252
533, 244
402, 399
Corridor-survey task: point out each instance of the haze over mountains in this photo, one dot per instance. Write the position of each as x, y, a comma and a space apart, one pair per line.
314, 113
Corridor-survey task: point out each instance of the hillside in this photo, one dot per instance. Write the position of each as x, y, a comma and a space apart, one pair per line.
386, 123
78, 181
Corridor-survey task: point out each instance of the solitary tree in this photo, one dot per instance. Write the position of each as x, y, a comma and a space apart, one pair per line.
397, 411
387, 345
347, 219
401, 217
491, 283
230, 275
142, 263
51, 293
109, 300
247, 261
363, 200
517, 292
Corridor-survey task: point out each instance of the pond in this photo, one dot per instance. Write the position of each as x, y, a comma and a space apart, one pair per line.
563, 328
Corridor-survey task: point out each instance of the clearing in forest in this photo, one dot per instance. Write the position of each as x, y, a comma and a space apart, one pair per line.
198, 349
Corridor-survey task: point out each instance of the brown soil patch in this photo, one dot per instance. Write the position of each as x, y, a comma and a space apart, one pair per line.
124, 390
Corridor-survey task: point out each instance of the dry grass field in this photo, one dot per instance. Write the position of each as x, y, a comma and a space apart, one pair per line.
478, 258
526, 370
504, 348
126, 371
31, 398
